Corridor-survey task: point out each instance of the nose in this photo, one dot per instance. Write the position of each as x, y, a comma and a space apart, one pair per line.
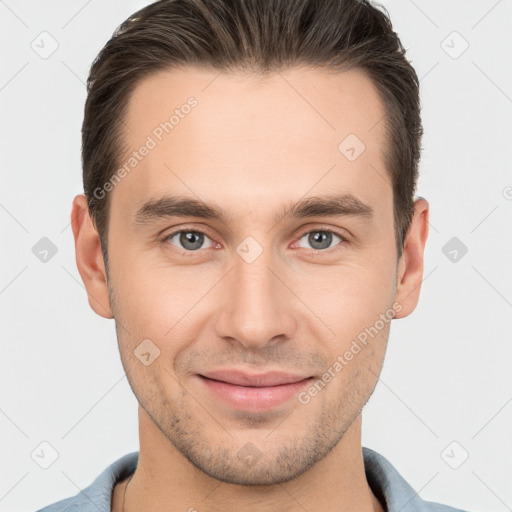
256, 308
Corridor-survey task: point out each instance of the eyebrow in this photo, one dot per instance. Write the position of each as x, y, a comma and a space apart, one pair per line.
323, 205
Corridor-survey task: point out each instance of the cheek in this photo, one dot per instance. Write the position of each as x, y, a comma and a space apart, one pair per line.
159, 302
145, 290
348, 297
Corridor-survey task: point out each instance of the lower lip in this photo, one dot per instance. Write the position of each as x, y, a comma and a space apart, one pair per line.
254, 398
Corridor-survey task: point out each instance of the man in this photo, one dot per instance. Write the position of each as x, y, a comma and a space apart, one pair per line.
249, 221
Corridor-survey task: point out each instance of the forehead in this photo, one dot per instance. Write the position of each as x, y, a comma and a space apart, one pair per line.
244, 136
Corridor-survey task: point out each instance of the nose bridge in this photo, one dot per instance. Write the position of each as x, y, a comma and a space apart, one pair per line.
256, 310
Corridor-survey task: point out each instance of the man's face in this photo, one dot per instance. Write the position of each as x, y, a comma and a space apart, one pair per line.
253, 291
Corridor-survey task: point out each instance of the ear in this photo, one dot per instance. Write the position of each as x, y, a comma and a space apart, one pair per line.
89, 258
410, 266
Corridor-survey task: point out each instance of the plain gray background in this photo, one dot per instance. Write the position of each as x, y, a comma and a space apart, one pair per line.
445, 391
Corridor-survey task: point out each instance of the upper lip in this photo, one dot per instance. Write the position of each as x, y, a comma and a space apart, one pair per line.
241, 378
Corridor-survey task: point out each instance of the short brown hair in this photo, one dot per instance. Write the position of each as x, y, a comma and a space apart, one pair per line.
260, 36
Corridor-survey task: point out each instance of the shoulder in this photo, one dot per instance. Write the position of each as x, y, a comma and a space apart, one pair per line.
97, 496
393, 490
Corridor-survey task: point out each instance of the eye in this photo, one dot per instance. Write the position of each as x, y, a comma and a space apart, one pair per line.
189, 240
320, 239
192, 240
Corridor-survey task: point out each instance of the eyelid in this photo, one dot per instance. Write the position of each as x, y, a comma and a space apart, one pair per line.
186, 229
342, 233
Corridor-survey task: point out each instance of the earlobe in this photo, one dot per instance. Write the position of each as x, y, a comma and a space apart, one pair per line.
89, 258
410, 268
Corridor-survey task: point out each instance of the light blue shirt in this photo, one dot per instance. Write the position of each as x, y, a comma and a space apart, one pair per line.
394, 493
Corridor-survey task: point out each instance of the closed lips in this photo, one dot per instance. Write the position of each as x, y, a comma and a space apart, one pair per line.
254, 380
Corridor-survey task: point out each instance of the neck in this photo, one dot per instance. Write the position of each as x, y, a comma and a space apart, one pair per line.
164, 480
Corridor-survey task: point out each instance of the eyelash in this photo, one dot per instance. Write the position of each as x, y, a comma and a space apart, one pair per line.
343, 239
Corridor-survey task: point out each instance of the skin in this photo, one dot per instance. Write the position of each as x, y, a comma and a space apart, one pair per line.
251, 146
